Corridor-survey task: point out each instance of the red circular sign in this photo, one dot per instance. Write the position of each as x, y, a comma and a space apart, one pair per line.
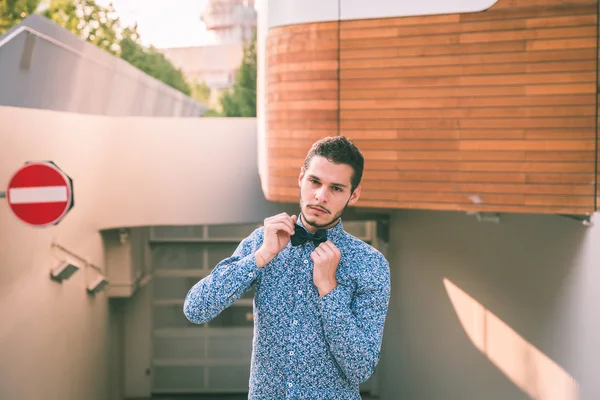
40, 194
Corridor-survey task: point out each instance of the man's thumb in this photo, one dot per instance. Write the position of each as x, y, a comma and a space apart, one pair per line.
294, 218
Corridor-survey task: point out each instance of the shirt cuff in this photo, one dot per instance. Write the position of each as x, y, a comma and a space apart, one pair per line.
254, 271
336, 302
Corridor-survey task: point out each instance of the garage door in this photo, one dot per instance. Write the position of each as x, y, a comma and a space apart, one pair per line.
213, 357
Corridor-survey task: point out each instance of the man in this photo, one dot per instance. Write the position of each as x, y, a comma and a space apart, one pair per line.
321, 295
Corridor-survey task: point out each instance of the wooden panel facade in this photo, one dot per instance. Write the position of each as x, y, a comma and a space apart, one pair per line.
302, 99
490, 111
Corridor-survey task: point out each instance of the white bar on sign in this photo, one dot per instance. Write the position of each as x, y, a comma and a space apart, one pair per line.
47, 194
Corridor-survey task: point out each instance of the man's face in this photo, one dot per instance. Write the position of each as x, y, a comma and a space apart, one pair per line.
325, 192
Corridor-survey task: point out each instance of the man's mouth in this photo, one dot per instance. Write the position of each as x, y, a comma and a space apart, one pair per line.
319, 209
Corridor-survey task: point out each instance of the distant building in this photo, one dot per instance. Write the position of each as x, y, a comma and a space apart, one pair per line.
216, 65
230, 24
230, 21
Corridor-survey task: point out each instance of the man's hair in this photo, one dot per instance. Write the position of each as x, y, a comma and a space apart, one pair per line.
339, 150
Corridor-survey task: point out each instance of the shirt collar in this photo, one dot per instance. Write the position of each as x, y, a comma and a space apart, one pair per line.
335, 232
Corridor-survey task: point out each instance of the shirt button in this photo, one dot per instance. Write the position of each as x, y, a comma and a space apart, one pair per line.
291, 353
295, 322
305, 261
290, 384
251, 274
299, 291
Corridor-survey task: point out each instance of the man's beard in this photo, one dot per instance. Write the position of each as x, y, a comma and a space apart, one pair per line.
321, 226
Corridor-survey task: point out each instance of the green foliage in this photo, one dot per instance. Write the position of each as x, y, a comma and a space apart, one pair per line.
98, 25
151, 61
13, 12
88, 20
200, 91
240, 100
212, 113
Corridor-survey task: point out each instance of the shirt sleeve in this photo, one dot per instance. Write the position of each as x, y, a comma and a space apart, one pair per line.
227, 282
353, 322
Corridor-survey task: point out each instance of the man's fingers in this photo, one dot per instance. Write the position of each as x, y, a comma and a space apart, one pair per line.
282, 218
319, 252
286, 219
329, 253
281, 226
329, 247
316, 256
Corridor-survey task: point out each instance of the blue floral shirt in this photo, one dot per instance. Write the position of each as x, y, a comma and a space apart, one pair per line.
305, 346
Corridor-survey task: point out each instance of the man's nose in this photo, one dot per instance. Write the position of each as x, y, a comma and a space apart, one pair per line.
322, 194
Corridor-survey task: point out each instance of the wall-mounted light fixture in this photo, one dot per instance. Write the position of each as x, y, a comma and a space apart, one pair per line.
97, 285
95, 281
63, 271
490, 217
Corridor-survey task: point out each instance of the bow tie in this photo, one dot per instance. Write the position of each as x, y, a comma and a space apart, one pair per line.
301, 236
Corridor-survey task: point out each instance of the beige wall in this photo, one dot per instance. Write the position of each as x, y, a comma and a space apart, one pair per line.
142, 171
53, 338
526, 290
56, 342
534, 278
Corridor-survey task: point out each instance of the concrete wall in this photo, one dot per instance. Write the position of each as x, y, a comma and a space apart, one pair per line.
492, 311
56, 341
478, 310
54, 69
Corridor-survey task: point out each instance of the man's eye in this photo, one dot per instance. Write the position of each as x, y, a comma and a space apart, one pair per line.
337, 189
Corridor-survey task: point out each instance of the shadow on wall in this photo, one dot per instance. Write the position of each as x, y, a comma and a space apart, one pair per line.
527, 367
531, 280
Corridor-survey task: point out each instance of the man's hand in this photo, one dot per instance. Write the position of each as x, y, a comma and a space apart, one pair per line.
278, 232
326, 259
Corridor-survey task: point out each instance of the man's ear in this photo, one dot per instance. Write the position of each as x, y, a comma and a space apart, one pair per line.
301, 176
355, 195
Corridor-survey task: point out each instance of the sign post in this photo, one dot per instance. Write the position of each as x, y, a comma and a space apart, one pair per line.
40, 194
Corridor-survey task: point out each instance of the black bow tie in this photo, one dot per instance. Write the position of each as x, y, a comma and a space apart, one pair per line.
301, 235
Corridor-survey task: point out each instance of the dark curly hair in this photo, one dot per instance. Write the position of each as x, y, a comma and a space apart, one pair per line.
339, 150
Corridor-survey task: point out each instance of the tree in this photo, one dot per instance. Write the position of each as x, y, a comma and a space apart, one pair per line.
240, 100
100, 25
151, 61
91, 22
13, 12
200, 91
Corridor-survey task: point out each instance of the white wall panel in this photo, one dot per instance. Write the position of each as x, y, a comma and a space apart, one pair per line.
359, 9
288, 12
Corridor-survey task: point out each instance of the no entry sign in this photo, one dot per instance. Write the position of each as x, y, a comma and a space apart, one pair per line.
40, 194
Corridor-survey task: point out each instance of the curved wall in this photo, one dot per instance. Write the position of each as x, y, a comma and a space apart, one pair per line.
486, 111
288, 12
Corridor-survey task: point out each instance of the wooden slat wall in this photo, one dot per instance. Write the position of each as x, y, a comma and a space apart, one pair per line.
302, 99
490, 111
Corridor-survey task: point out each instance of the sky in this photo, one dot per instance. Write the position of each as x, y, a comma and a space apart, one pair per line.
164, 23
